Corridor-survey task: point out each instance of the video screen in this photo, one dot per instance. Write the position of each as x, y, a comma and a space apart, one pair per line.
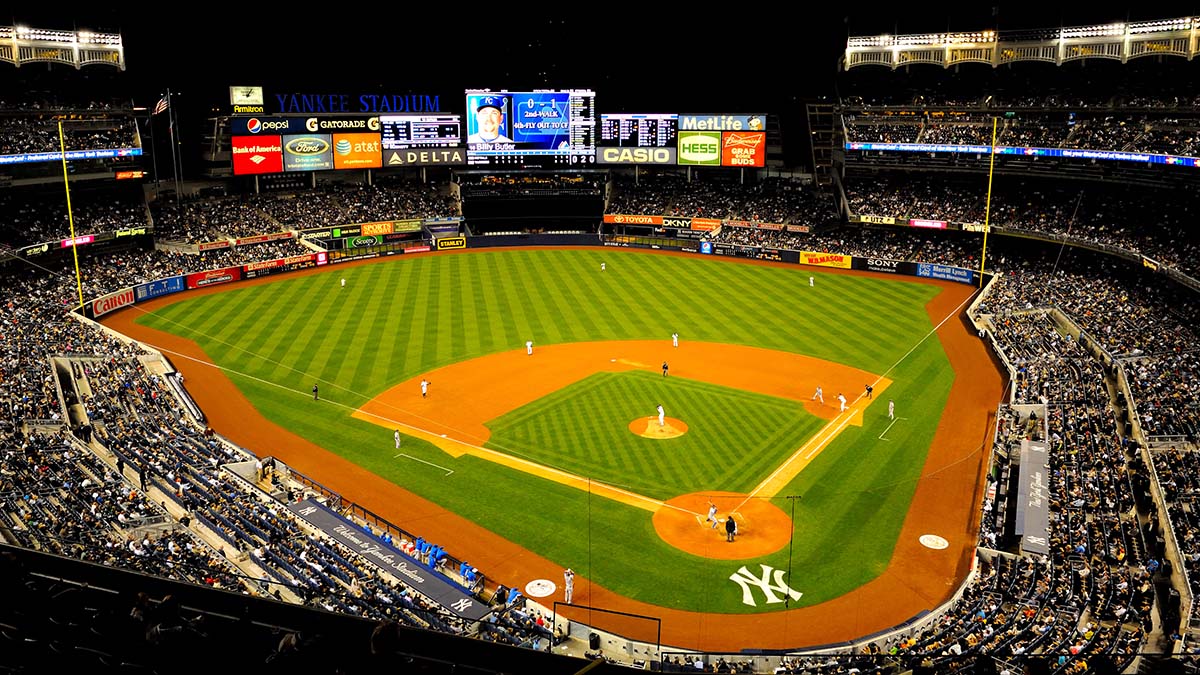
547, 128
401, 132
632, 138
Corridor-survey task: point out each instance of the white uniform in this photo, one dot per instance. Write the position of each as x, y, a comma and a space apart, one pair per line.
842, 401
424, 388
712, 515
819, 395
811, 281
602, 265
529, 347
662, 416
675, 339
569, 583
891, 410
397, 435
343, 283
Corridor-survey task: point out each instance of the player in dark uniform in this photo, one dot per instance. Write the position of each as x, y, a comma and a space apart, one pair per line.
664, 368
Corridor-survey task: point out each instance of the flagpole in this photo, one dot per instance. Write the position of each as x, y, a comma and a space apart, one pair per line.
171, 128
153, 151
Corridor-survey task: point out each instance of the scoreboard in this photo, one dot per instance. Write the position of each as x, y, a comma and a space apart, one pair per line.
539, 128
631, 138
401, 132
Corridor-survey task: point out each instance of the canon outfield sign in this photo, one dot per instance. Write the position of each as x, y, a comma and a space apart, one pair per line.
113, 301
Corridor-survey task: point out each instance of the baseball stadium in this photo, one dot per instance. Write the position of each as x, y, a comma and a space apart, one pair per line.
899, 377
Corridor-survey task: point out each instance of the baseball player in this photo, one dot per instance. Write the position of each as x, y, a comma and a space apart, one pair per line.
569, 583
343, 282
842, 402
891, 409
424, 389
603, 266
712, 515
675, 339
870, 390
397, 435
819, 396
662, 416
529, 347
664, 368
315, 390
811, 282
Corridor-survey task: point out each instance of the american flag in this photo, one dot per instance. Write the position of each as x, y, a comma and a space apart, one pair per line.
161, 106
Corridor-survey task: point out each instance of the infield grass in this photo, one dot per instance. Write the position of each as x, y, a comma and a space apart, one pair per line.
399, 318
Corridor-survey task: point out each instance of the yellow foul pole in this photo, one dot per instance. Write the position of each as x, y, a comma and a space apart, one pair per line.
987, 207
62, 146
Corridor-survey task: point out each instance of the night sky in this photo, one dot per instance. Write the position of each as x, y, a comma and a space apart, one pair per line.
636, 60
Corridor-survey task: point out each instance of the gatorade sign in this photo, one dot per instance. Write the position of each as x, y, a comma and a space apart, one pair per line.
700, 148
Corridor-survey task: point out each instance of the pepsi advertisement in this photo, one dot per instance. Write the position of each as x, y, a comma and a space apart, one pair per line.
548, 128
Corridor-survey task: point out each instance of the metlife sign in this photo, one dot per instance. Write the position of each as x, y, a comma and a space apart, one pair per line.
700, 148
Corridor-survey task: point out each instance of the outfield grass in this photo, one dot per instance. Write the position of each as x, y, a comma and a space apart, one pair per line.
399, 318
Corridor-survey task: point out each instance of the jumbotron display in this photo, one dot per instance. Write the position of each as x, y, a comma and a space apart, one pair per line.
634, 138
541, 128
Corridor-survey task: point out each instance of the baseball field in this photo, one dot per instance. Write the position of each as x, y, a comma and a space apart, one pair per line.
525, 464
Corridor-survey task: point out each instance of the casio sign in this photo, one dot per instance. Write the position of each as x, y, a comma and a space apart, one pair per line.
635, 156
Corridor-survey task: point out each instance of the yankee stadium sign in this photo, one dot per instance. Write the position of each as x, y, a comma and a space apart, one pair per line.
355, 103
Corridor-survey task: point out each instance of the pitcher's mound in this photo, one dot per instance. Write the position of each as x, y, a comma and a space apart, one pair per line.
763, 528
647, 427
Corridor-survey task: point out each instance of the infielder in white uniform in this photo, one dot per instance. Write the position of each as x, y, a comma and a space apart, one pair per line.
819, 396
891, 409
424, 388
397, 435
675, 339
529, 347
842, 402
662, 416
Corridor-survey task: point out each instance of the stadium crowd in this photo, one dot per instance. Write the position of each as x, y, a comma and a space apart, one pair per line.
102, 462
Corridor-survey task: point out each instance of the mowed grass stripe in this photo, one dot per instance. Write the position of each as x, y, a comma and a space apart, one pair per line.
279, 311
357, 370
389, 335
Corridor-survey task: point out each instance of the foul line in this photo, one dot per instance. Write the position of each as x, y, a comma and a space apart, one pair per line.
823, 437
418, 459
889, 427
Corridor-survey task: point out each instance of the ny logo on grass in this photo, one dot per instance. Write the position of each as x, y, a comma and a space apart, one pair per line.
746, 579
